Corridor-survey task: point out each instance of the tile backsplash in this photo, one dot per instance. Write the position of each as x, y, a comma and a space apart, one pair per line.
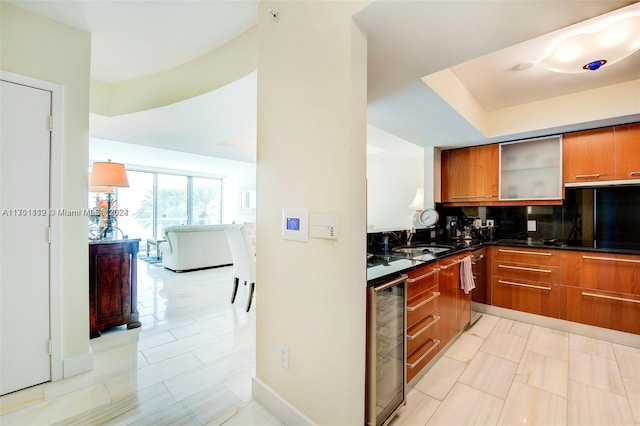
606, 216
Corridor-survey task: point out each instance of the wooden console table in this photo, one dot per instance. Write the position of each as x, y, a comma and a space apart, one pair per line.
113, 285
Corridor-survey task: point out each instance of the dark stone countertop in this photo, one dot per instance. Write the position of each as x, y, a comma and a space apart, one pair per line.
384, 266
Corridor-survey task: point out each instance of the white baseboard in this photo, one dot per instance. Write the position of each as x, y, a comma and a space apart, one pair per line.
277, 405
78, 364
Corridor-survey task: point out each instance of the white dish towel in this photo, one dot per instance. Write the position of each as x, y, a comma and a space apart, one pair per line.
467, 282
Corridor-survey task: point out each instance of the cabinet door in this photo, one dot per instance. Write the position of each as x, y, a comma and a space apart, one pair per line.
471, 174
453, 304
617, 311
109, 290
588, 156
530, 170
627, 151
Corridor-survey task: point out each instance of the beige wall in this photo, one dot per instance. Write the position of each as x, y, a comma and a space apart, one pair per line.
312, 153
46, 50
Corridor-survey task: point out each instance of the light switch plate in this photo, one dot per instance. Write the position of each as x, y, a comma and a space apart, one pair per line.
324, 226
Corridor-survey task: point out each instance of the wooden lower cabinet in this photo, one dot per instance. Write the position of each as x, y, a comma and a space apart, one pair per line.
588, 287
601, 289
437, 310
113, 284
422, 318
617, 311
603, 271
454, 305
526, 279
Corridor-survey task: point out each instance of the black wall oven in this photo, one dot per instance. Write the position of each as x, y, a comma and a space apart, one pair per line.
386, 350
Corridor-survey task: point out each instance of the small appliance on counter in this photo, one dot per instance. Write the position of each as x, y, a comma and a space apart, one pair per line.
452, 230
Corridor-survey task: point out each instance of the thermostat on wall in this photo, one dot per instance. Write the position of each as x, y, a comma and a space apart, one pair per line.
295, 224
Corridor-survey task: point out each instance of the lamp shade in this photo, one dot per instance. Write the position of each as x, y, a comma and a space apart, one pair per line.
418, 200
108, 174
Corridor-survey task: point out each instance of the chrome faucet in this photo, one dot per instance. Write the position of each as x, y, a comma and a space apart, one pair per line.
410, 233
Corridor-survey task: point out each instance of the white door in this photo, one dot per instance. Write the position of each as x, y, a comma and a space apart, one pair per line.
24, 244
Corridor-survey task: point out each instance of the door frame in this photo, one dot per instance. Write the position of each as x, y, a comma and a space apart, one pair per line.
55, 222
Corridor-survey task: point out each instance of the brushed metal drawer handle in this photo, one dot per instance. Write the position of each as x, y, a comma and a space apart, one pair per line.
390, 284
520, 268
435, 295
593, 175
635, 173
451, 264
611, 259
428, 274
600, 296
525, 285
436, 342
460, 197
436, 318
535, 253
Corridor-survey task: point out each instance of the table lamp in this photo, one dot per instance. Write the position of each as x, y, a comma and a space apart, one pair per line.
104, 177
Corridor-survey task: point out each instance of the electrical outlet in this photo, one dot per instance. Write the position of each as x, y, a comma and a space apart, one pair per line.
284, 357
531, 226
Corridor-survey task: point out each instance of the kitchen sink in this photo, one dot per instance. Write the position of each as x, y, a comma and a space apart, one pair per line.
419, 250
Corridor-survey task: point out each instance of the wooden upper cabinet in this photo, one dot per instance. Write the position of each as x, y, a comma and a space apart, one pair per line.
588, 155
627, 151
470, 174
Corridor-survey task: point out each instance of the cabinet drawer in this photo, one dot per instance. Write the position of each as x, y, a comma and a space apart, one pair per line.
612, 310
421, 280
519, 271
422, 305
609, 272
526, 296
526, 255
420, 332
421, 357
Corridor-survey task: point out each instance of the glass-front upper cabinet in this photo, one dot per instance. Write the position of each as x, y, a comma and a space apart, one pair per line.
531, 169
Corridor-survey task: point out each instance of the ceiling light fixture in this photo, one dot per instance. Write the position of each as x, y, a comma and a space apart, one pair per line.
595, 65
611, 36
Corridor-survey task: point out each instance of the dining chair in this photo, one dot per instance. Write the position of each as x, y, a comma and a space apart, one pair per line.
244, 261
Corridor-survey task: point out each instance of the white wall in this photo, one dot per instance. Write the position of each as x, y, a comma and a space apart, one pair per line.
395, 169
47, 50
312, 153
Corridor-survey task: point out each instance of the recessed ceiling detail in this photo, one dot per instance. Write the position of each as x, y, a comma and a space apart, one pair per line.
612, 38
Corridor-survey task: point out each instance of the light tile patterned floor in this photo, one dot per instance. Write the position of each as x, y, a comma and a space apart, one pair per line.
504, 372
191, 363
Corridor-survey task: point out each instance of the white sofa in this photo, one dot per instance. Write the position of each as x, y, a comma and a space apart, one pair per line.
194, 247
